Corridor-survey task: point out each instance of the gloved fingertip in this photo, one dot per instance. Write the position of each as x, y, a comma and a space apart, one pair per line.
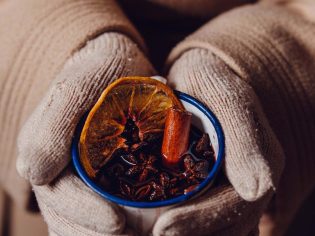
26, 171
252, 184
39, 170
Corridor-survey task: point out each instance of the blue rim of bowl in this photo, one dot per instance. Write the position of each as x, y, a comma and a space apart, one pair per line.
182, 96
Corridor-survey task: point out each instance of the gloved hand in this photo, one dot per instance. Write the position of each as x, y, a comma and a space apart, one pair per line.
254, 67
255, 167
253, 157
68, 205
37, 37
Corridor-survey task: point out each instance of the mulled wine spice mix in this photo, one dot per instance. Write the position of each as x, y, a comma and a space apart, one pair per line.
137, 173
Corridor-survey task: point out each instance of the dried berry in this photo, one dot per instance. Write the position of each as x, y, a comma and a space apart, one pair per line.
200, 169
137, 172
194, 170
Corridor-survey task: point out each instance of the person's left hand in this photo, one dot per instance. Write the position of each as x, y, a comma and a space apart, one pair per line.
69, 206
253, 156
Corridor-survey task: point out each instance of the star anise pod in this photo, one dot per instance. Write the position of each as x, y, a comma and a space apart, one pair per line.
148, 167
194, 170
143, 169
203, 148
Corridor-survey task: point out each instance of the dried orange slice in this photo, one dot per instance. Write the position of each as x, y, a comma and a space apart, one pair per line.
142, 99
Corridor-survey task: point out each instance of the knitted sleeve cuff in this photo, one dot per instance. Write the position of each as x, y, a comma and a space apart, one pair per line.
249, 38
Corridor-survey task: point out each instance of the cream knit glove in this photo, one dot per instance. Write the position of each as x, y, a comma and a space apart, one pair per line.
253, 158
37, 37
67, 204
254, 67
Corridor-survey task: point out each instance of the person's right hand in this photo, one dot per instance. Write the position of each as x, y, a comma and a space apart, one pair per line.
253, 159
68, 205
254, 67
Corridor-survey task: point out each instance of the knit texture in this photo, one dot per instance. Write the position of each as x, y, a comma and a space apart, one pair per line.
253, 156
271, 49
36, 39
69, 206
44, 142
212, 216
60, 226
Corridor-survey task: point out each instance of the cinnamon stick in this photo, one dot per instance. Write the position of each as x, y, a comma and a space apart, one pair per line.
176, 136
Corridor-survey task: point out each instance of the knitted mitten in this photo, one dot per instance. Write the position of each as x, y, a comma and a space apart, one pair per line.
59, 47
253, 157
254, 67
37, 37
67, 204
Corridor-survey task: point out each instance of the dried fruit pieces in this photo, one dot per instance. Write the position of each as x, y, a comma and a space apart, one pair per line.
137, 143
132, 100
140, 174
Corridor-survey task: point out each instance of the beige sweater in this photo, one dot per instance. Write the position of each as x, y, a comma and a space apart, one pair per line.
38, 36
